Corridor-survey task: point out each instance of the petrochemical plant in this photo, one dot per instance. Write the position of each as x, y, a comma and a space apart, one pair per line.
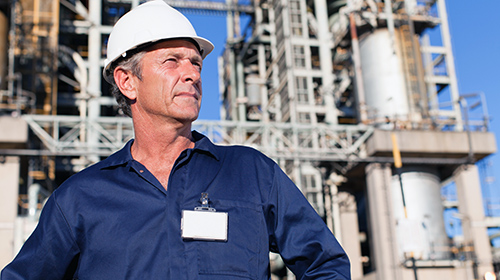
357, 100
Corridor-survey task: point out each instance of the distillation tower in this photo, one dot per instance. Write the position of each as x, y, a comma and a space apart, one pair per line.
336, 91
340, 89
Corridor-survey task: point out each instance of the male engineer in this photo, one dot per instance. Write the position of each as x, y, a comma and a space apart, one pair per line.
171, 204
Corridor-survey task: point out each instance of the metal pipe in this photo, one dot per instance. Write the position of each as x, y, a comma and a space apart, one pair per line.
337, 226
390, 21
240, 79
398, 165
325, 38
328, 206
357, 69
263, 89
54, 42
12, 37
94, 66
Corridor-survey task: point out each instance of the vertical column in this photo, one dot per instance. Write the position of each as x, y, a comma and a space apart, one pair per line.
450, 63
95, 73
470, 206
9, 191
383, 237
230, 22
349, 227
325, 39
356, 58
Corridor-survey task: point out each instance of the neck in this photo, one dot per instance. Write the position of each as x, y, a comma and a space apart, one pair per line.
161, 142
157, 148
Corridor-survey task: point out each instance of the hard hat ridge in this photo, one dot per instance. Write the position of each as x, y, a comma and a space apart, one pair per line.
146, 24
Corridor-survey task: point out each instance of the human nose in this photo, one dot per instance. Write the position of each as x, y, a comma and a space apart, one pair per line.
191, 72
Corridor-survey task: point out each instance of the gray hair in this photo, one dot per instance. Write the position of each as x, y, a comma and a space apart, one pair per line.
131, 64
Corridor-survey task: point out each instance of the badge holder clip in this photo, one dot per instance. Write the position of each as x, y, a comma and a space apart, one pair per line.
204, 204
204, 222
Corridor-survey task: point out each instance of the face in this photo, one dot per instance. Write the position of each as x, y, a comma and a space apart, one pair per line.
170, 88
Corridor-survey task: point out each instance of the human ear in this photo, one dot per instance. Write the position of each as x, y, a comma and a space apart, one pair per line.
125, 82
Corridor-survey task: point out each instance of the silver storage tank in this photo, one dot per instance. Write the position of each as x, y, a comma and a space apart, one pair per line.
422, 234
383, 77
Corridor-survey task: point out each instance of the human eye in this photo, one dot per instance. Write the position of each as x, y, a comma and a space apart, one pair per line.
197, 64
170, 60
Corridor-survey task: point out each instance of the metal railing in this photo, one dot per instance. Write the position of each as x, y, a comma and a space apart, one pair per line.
72, 135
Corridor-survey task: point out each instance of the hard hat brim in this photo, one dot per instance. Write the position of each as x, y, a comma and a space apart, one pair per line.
148, 23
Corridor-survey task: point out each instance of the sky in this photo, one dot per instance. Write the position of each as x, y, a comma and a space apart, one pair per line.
474, 28
475, 37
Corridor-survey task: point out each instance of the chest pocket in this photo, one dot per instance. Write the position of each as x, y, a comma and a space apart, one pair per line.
239, 256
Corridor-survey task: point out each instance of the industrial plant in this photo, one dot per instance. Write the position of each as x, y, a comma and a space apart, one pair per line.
356, 100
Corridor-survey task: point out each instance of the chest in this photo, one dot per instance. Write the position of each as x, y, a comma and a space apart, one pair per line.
138, 226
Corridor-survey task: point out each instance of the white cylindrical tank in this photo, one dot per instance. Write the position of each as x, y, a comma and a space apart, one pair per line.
383, 77
422, 234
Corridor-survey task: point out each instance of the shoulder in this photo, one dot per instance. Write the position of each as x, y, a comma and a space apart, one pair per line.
243, 150
88, 173
245, 155
89, 179
74, 186
234, 153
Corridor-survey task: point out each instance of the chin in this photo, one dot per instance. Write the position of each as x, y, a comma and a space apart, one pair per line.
189, 119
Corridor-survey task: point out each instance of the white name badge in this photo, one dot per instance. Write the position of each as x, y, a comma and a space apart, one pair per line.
204, 225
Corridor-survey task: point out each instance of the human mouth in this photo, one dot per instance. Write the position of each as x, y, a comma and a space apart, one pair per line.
188, 94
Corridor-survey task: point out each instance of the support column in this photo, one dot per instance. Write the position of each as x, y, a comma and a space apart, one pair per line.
382, 223
9, 191
95, 75
350, 231
470, 206
325, 39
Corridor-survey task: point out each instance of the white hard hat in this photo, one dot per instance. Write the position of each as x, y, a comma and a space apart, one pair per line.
147, 23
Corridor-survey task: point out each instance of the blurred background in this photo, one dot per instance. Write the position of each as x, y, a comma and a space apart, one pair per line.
381, 111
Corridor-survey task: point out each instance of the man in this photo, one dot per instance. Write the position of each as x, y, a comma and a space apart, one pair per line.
170, 204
